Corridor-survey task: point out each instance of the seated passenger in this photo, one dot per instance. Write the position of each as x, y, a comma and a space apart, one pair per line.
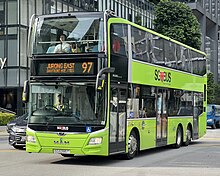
63, 47
51, 49
95, 48
75, 48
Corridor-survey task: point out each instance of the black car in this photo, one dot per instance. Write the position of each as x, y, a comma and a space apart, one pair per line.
17, 131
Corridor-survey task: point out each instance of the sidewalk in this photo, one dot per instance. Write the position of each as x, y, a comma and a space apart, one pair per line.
3, 131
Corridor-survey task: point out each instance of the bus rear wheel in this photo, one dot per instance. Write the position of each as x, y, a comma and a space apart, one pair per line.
188, 137
132, 146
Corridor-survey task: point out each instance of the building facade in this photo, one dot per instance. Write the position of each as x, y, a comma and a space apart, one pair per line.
14, 22
208, 15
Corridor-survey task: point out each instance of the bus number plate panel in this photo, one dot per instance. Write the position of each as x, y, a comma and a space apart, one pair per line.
60, 151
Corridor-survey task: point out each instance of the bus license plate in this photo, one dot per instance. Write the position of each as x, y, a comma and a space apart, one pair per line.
58, 151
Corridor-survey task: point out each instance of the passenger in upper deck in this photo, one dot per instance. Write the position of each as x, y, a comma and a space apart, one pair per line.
75, 48
63, 47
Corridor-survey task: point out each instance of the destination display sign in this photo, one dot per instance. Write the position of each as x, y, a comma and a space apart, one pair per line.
65, 68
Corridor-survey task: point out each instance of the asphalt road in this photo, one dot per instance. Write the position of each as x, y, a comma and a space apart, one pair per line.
201, 158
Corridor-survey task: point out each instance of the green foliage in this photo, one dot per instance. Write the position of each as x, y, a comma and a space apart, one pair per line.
5, 118
216, 94
177, 21
210, 88
213, 90
138, 19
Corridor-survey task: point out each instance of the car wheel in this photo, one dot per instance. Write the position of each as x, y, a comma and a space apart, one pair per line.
19, 147
214, 125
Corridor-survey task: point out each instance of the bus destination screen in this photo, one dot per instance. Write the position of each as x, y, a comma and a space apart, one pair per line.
66, 68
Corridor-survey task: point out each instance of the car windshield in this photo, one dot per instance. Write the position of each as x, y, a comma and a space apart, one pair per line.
68, 34
209, 109
66, 104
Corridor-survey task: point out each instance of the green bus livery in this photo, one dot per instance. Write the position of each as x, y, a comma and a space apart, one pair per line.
102, 85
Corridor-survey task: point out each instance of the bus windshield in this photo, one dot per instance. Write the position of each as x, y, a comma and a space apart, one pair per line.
68, 34
66, 104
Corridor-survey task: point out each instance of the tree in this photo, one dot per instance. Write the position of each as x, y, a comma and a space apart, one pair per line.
213, 90
177, 21
210, 88
216, 94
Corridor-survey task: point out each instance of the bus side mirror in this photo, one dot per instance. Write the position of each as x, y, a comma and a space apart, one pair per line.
100, 79
25, 93
101, 82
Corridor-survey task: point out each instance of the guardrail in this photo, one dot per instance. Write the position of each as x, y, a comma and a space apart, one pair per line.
6, 110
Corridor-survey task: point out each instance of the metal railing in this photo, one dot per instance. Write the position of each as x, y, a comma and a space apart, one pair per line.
6, 110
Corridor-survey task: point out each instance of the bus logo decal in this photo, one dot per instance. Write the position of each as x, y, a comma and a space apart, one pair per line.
162, 76
63, 128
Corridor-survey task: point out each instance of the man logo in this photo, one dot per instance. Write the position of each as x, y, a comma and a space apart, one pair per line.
62, 142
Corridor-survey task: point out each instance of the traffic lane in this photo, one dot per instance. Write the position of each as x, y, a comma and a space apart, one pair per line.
161, 161
197, 154
47, 164
200, 153
3, 139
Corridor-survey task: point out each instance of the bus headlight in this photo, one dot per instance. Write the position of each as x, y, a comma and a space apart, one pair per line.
31, 139
95, 141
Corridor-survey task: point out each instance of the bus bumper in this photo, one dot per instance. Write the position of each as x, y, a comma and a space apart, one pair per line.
77, 144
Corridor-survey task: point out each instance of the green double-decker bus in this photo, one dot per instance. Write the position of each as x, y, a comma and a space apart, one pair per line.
102, 85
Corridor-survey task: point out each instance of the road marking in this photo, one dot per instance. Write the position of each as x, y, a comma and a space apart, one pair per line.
8, 150
205, 145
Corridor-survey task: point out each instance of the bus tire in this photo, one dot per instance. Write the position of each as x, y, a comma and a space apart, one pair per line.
132, 146
188, 137
178, 138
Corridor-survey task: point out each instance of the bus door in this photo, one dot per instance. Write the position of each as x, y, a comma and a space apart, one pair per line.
117, 125
196, 113
161, 116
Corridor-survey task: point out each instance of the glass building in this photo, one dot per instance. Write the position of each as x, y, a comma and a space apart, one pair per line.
208, 15
14, 22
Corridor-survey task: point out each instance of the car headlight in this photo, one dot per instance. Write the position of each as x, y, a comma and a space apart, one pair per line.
209, 120
31, 139
95, 141
18, 130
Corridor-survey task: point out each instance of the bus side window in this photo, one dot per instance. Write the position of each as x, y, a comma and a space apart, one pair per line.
119, 34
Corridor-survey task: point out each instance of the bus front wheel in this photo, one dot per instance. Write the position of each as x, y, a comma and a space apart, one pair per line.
132, 146
178, 138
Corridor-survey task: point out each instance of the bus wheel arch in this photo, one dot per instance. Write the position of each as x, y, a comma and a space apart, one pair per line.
179, 136
188, 135
133, 143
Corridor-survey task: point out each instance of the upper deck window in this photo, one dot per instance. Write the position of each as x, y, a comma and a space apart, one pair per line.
68, 34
